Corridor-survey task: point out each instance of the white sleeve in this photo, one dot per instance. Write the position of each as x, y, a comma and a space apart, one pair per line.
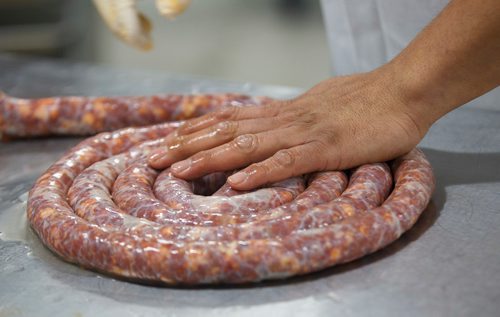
364, 34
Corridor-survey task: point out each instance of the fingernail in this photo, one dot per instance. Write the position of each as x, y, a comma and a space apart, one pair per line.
238, 177
181, 166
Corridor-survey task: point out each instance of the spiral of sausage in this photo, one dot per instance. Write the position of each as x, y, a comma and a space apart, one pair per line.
101, 206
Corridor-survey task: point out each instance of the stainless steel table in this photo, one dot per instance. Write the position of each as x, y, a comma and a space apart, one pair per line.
448, 264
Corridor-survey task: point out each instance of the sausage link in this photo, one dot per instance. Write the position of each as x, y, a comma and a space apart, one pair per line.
74, 115
102, 207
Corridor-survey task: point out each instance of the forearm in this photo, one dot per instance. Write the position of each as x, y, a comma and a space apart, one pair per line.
352, 120
452, 61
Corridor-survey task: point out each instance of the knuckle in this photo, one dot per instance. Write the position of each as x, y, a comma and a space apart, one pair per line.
225, 113
177, 143
294, 115
274, 107
246, 143
225, 128
327, 137
259, 169
285, 158
308, 119
179, 146
330, 159
184, 127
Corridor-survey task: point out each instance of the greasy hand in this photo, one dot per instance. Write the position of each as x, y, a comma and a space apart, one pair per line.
340, 123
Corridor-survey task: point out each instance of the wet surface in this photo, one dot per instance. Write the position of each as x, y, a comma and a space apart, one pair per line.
447, 264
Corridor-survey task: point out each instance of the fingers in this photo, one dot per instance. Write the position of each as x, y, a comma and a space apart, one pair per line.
172, 8
276, 142
242, 151
283, 164
184, 146
124, 20
227, 114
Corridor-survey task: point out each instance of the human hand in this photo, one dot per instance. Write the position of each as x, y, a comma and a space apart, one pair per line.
132, 26
340, 123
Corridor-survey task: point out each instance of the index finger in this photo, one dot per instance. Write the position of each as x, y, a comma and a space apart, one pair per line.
230, 113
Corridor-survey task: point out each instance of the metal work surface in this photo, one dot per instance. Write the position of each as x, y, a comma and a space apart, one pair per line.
448, 264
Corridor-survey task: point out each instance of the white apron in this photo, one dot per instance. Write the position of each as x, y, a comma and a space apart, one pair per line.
364, 34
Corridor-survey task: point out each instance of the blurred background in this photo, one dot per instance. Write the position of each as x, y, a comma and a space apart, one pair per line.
279, 42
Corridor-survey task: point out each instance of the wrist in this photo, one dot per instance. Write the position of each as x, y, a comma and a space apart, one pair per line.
420, 96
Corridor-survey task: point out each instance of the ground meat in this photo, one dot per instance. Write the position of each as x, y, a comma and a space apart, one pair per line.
101, 206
